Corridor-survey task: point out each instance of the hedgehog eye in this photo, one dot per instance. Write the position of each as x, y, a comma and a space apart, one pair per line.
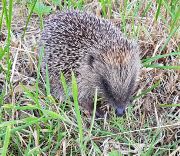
91, 60
107, 88
104, 84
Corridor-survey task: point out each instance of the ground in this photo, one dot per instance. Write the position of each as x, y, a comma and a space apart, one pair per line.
39, 125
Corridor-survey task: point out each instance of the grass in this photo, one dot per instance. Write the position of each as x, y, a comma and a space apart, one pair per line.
77, 112
6, 140
32, 122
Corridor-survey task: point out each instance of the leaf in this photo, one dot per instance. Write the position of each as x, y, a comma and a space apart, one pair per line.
56, 2
41, 9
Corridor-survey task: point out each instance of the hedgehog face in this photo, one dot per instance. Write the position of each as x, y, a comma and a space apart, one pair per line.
115, 76
118, 83
118, 94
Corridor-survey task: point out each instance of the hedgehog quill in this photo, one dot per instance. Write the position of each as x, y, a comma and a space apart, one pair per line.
97, 51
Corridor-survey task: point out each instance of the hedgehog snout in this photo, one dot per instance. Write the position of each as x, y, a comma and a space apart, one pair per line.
120, 111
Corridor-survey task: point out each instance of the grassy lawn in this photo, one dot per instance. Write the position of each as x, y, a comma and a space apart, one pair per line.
33, 123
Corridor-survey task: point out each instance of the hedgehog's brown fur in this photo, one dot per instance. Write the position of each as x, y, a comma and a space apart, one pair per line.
100, 55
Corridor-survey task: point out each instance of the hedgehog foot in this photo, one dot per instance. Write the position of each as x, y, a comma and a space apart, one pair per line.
89, 107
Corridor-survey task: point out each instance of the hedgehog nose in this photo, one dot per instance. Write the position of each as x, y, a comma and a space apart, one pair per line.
120, 111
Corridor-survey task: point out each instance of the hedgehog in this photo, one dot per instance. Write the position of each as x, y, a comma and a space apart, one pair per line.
97, 52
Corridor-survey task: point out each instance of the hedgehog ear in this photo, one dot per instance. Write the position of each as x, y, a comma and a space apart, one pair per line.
90, 60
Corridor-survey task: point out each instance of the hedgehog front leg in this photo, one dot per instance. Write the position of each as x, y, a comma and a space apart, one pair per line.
86, 96
88, 104
89, 107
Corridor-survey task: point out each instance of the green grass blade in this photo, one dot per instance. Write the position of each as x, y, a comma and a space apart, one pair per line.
123, 18
80, 4
153, 143
162, 67
47, 82
77, 109
176, 19
64, 85
169, 37
168, 8
50, 114
148, 90
149, 60
147, 8
158, 10
170, 105
1, 19
2, 53
41, 52
115, 153
7, 47
30, 94
29, 122
2, 97
4, 4
29, 16
7, 123
6, 140
103, 5
94, 111
10, 14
